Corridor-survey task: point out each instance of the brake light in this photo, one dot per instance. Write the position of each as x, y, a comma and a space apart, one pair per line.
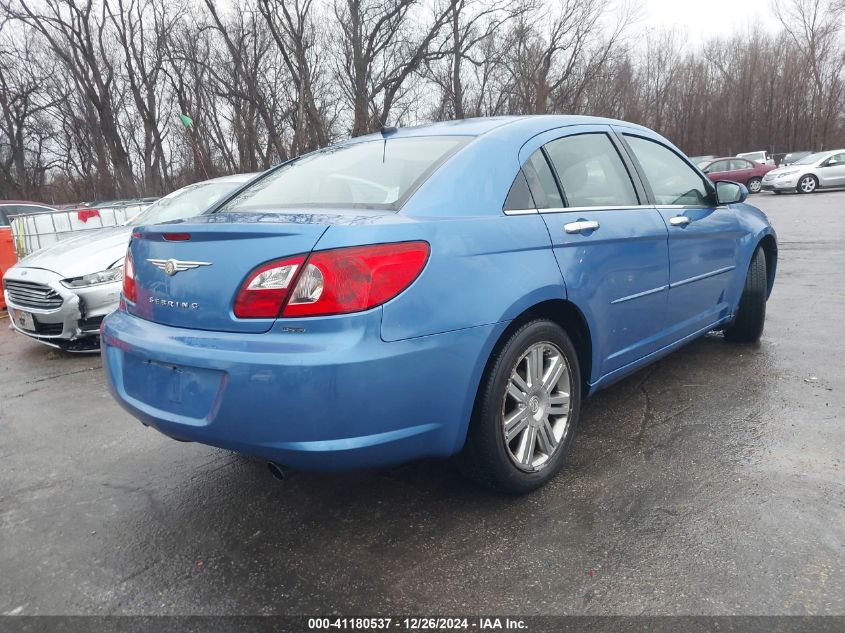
265, 290
353, 279
337, 281
129, 287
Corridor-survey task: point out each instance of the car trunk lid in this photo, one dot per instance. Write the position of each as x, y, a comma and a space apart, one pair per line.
188, 274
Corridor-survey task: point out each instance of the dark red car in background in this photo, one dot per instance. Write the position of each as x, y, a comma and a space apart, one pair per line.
748, 172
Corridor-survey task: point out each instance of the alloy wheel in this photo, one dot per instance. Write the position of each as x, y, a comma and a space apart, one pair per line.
807, 184
754, 186
536, 407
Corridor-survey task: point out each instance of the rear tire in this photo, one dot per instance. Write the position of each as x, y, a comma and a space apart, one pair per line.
747, 327
522, 425
755, 185
807, 184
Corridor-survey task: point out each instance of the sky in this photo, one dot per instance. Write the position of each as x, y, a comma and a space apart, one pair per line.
703, 19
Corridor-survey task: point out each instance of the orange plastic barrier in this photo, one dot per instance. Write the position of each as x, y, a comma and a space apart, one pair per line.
7, 258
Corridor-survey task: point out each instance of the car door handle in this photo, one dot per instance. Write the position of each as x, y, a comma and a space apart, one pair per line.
679, 220
580, 226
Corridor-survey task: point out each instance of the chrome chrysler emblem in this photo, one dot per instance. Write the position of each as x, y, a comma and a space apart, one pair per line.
173, 266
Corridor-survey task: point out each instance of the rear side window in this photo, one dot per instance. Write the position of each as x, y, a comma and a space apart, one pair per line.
377, 174
519, 197
672, 180
739, 163
591, 172
542, 182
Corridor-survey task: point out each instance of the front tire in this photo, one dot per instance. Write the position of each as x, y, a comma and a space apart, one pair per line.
755, 185
526, 410
807, 184
747, 327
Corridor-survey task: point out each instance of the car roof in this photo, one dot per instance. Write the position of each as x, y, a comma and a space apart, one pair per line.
527, 124
231, 178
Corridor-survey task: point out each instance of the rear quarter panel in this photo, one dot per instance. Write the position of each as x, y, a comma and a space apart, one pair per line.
482, 270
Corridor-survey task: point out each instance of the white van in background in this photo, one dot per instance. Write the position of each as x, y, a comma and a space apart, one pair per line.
763, 157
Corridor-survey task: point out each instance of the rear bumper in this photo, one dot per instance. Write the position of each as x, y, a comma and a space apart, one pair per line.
335, 397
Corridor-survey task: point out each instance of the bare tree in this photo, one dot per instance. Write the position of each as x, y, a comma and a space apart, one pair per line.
378, 49
142, 27
292, 27
75, 32
24, 124
815, 27
91, 90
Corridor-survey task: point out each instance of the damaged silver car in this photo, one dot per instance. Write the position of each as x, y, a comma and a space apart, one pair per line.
59, 295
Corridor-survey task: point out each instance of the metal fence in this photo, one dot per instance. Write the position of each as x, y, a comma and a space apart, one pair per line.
34, 231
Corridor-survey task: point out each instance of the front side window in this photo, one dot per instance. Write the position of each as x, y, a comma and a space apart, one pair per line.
836, 160
672, 180
718, 166
591, 172
378, 174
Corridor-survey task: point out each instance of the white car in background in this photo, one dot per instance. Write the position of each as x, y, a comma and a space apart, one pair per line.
59, 295
761, 156
816, 171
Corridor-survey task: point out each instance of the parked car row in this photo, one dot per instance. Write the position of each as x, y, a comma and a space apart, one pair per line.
803, 172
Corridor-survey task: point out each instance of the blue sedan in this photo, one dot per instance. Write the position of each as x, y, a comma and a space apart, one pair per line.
451, 289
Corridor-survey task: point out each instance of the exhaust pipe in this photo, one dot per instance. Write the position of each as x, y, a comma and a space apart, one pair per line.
277, 470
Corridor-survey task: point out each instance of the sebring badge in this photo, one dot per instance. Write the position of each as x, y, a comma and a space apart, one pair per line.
173, 266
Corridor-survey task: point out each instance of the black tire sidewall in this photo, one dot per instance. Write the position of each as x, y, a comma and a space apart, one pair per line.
751, 315
487, 435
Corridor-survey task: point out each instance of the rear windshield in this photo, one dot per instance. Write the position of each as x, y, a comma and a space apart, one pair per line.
184, 203
378, 174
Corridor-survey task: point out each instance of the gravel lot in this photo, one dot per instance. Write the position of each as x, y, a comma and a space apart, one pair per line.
710, 483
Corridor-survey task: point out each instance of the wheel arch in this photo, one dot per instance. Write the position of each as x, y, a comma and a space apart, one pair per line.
811, 175
560, 311
569, 317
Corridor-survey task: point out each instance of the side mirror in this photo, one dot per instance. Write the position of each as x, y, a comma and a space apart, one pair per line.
729, 192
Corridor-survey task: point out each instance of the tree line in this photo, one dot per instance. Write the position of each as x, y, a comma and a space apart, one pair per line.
91, 90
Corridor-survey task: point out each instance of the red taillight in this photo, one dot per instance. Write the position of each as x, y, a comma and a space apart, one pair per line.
357, 278
336, 281
129, 287
176, 237
265, 290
